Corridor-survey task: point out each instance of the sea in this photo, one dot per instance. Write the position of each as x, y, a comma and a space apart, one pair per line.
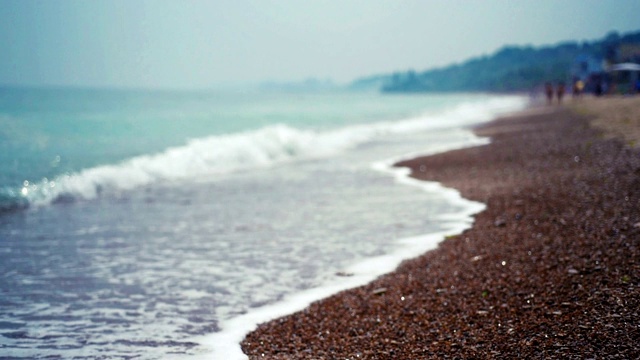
141, 224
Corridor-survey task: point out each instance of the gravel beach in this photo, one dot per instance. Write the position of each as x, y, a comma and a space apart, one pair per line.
551, 269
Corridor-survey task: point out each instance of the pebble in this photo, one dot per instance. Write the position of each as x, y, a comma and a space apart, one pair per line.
599, 317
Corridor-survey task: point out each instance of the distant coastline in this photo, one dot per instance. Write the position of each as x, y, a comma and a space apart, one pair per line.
513, 68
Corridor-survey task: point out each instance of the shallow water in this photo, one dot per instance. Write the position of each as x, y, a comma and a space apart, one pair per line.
146, 269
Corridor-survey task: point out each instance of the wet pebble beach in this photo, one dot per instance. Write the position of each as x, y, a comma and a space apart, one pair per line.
550, 270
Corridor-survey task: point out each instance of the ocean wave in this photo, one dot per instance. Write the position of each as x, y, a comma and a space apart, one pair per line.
223, 154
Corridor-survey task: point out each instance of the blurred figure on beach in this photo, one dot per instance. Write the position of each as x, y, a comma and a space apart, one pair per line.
560, 91
578, 86
548, 90
599, 90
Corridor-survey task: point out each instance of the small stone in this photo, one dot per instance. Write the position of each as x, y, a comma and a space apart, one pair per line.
344, 274
379, 291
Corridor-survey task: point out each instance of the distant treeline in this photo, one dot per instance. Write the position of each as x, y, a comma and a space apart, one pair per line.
512, 68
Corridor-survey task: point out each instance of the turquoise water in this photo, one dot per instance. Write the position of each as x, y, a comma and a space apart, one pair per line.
158, 224
45, 133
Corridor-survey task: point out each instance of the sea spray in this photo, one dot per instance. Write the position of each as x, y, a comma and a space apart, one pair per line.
209, 157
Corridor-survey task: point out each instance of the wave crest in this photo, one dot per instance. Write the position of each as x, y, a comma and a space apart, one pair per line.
268, 146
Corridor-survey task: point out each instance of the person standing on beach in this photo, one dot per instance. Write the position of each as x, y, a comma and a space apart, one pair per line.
548, 89
560, 92
599, 88
578, 85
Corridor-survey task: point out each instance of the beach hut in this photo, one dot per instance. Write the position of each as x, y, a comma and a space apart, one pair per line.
632, 68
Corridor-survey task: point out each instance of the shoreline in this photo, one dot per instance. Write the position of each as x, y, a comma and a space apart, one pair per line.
226, 343
521, 281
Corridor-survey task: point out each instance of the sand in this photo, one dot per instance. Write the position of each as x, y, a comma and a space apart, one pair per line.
551, 269
618, 117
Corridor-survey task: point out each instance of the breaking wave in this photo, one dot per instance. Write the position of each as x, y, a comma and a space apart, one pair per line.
223, 154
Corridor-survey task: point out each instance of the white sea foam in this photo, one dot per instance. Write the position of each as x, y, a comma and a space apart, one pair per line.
225, 344
277, 144
145, 260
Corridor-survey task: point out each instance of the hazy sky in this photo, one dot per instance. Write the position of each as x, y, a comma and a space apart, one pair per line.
200, 44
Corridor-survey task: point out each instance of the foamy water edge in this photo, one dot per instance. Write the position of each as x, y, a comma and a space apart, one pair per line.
223, 154
226, 343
